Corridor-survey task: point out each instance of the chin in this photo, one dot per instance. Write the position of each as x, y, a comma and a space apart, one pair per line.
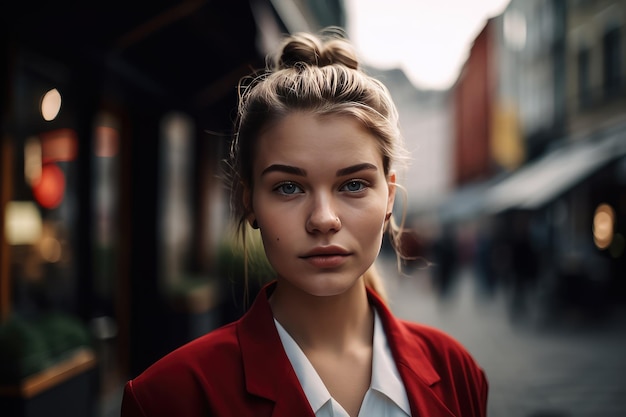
329, 287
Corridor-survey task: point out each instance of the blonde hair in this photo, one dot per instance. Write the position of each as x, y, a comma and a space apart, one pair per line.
319, 74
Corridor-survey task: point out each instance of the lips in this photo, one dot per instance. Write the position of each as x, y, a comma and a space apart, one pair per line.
326, 257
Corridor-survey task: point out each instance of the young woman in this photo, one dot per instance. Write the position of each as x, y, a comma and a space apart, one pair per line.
312, 169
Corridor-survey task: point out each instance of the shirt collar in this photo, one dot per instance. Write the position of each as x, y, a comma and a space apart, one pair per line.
385, 376
312, 385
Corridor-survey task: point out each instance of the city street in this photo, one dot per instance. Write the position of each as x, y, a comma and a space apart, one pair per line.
536, 368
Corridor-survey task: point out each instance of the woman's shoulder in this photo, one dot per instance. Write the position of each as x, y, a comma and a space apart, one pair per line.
442, 348
454, 366
179, 382
431, 336
433, 344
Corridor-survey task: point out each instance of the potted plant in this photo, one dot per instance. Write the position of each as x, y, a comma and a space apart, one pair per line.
47, 367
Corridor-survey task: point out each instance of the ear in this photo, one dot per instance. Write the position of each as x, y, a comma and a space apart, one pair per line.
391, 197
247, 203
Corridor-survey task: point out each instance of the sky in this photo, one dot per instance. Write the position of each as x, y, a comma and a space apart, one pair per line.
428, 39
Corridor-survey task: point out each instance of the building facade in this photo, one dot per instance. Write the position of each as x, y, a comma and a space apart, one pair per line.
555, 145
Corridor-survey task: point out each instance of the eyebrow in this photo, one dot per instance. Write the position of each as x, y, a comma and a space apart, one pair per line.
288, 169
355, 168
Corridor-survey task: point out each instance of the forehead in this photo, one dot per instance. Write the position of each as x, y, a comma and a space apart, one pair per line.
306, 139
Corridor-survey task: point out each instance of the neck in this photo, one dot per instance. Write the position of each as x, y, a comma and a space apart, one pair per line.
332, 322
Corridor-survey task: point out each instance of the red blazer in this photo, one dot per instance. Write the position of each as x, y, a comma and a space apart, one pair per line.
241, 370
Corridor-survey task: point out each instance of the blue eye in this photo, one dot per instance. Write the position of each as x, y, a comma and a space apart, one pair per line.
288, 188
353, 186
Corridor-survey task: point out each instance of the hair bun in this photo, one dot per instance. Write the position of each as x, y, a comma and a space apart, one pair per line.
327, 48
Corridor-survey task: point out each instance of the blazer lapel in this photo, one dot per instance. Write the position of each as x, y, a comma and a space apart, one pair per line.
423, 400
268, 372
415, 369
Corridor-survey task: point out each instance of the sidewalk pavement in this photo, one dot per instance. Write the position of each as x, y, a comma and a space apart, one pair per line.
535, 368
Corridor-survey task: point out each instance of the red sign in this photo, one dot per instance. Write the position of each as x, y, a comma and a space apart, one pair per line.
50, 188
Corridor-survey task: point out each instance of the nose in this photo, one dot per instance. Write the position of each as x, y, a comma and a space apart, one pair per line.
323, 217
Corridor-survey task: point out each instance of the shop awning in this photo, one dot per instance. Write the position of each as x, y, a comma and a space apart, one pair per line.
464, 203
540, 182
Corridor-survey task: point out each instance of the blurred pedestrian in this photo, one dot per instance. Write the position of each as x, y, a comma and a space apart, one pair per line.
525, 265
484, 261
445, 264
312, 170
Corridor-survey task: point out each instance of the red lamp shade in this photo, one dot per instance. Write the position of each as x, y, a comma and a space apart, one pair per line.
50, 188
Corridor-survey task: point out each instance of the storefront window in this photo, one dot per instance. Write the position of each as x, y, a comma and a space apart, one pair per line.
43, 262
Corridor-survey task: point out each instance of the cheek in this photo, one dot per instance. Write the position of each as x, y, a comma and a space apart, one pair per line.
367, 223
276, 246
275, 231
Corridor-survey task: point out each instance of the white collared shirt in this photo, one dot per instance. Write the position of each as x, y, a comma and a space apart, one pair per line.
386, 396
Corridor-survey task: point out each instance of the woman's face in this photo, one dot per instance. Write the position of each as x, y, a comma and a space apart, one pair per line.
320, 197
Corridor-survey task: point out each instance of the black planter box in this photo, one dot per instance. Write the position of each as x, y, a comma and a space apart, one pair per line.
67, 389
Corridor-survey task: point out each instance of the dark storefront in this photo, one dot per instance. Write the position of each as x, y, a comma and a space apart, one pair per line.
99, 195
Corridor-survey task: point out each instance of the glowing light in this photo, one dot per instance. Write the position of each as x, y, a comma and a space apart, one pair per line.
106, 142
50, 188
603, 221
50, 249
59, 145
22, 223
51, 105
32, 160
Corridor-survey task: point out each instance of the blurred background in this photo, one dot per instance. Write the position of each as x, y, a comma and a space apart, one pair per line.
114, 232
